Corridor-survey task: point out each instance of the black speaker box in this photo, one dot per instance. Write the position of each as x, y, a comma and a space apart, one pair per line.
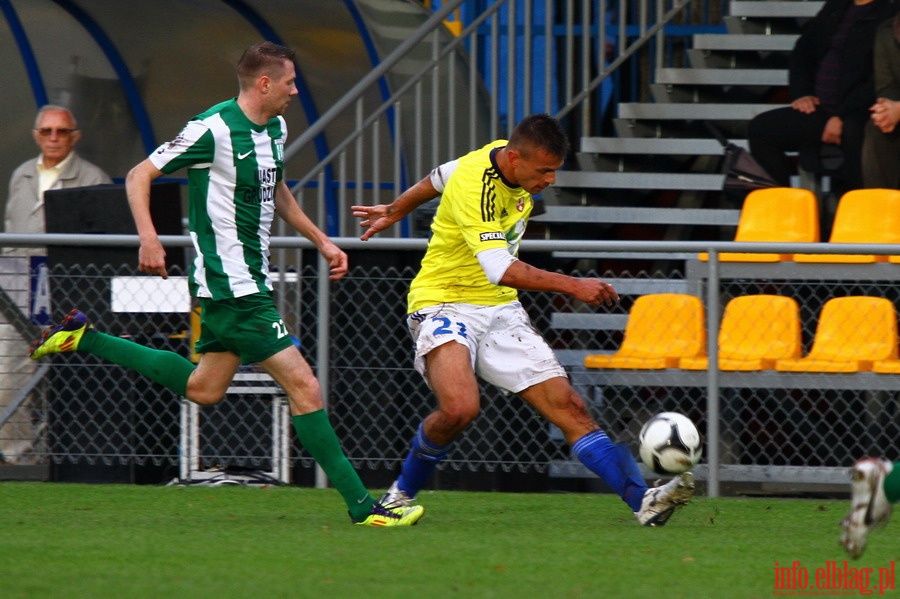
103, 209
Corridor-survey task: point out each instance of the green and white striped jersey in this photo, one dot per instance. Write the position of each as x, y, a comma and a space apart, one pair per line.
233, 167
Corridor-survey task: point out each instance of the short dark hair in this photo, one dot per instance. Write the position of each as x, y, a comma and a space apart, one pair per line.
260, 58
540, 131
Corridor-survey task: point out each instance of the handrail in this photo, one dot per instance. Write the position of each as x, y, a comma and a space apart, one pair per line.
624, 56
374, 75
437, 109
354, 94
24, 392
542, 245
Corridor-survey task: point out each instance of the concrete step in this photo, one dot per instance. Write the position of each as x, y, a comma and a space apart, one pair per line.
780, 9
692, 111
651, 146
727, 42
658, 216
655, 181
715, 59
769, 26
664, 129
580, 321
737, 76
713, 94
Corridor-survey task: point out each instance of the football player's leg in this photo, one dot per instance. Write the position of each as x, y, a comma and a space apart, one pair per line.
450, 375
314, 430
560, 404
76, 333
892, 483
875, 487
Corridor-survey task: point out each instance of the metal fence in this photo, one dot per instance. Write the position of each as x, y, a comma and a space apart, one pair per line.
763, 426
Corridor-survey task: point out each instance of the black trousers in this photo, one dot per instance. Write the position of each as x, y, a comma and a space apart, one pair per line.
881, 158
775, 132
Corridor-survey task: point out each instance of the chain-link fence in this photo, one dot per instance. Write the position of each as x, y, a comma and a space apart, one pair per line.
769, 424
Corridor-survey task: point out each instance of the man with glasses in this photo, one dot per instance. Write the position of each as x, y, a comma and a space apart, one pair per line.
57, 167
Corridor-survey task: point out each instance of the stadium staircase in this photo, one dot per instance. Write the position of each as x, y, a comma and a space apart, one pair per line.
662, 166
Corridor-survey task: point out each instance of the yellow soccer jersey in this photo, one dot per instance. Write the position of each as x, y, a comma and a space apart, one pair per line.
479, 210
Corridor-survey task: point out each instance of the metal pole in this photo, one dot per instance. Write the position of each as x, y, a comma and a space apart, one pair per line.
712, 387
585, 65
548, 57
528, 58
323, 364
511, 64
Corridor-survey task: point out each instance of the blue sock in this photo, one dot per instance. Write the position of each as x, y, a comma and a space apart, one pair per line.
614, 464
423, 458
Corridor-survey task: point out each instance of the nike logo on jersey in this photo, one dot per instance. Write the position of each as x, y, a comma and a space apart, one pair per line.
244, 155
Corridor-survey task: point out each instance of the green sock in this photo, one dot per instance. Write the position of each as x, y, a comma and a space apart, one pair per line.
892, 484
317, 437
160, 366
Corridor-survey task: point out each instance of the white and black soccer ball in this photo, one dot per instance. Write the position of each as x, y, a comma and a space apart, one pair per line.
670, 443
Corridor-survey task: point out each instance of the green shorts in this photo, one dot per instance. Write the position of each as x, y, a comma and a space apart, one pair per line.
250, 327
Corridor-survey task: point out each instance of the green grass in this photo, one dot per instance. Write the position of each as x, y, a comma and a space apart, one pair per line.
120, 541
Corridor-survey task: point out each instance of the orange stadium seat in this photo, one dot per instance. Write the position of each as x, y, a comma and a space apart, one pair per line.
662, 328
888, 366
775, 214
853, 332
756, 331
863, 216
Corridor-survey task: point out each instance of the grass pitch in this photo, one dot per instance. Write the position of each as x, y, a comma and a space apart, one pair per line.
126, 541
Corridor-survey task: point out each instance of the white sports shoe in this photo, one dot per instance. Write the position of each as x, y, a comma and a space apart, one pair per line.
395, 498
869, 507
660, 502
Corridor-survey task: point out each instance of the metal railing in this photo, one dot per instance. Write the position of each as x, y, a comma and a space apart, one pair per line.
472, 88
772, 427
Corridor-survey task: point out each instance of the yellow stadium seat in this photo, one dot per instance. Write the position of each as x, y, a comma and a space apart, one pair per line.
889, 366
775, 214
863, 216
756, 331
662, 328
853, 332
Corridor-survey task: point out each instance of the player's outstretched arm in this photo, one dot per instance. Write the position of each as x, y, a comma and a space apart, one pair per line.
383, 216
521, 275
151, 255
287, 208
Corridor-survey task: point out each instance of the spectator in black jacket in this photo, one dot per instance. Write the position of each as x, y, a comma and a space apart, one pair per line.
881, 149
831, 90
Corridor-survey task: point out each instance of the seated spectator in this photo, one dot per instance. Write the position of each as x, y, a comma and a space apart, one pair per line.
57, 167
831, 87
881, 148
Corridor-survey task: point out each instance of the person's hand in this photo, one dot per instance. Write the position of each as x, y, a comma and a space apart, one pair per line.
831, 134
806, 104
595, 292
152, 258
885, 114
337, 260
376, 218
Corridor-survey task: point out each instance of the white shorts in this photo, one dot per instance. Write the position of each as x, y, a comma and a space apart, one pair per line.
505, 349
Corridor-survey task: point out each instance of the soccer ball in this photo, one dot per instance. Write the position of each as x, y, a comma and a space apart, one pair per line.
670, 443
